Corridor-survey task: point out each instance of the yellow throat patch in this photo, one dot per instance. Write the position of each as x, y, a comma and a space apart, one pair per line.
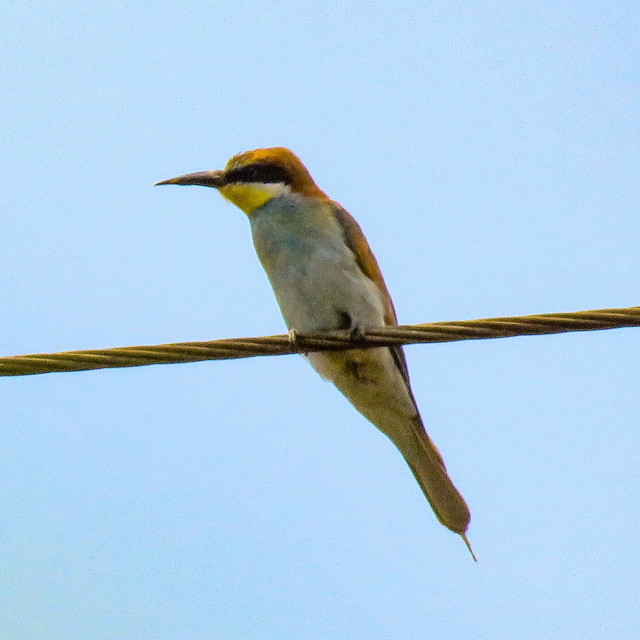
250, 196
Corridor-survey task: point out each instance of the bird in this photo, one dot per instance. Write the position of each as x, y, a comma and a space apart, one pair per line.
325, 277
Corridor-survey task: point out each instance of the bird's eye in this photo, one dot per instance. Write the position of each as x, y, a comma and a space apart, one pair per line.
265, 172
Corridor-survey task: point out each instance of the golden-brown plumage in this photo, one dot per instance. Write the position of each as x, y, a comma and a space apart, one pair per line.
301, 180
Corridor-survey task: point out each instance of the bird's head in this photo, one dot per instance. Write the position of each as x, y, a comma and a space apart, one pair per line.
252, 178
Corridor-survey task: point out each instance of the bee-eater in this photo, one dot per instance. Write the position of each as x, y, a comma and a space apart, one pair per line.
325, 277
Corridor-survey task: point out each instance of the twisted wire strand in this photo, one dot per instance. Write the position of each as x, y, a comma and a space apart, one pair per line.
325, 341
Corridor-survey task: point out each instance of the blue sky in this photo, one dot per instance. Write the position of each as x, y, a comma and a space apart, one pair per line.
491, 153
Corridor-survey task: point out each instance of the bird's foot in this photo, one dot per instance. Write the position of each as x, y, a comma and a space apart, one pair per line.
293, 341
356, 334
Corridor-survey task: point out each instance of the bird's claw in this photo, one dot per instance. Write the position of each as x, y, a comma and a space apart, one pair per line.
293, 341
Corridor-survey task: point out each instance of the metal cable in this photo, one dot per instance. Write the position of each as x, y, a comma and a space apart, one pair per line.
332, 340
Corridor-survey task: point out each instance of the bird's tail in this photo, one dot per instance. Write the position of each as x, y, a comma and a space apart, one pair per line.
427, 466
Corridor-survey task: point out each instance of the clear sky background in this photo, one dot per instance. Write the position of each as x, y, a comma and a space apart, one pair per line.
491, 153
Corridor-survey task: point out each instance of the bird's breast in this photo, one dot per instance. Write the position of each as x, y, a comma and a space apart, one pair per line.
313, 272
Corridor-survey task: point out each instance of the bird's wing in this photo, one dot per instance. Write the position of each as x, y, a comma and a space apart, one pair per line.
355, 240
367, 262
427, 466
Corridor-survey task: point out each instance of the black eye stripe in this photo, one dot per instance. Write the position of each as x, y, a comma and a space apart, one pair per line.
266, 172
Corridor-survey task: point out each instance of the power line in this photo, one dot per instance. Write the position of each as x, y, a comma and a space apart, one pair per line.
542, 324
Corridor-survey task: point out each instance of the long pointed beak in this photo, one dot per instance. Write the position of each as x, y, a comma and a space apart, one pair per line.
214, 179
